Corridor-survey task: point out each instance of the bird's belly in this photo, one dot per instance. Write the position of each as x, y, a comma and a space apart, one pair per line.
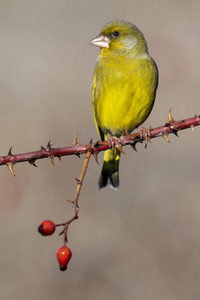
123, 109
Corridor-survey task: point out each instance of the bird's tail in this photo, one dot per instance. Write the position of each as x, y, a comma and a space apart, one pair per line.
110, 170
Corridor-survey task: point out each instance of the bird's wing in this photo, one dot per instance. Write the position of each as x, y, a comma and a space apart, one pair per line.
100, 132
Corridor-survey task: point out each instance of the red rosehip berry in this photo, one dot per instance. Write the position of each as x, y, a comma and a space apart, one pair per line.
47, 227
63, 256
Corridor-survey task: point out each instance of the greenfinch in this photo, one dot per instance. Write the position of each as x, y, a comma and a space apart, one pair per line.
124, 87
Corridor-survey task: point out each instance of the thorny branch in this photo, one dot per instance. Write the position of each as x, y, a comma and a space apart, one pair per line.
75, 149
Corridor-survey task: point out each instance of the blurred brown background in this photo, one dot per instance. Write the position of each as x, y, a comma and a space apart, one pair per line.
141, 242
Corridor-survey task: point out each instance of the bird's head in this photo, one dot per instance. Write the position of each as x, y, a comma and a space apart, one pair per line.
120, 37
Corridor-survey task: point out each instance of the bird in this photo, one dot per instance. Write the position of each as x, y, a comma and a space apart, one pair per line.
124, 88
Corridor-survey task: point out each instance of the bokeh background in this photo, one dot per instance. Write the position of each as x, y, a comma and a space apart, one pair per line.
141, 242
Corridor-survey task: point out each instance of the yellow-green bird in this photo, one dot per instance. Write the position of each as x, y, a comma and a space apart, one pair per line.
124, 88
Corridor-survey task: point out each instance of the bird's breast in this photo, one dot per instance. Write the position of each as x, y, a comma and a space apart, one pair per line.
124, 93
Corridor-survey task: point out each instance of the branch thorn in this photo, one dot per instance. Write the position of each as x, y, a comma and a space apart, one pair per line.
170, 119
95, 154
165, 136
77, 180
9, 152
48, 148
192, 127
96, 145
32, 162
119, 147
134, 147
71, 201
74, 143
10, 167
62, 232
50, 157
175, 131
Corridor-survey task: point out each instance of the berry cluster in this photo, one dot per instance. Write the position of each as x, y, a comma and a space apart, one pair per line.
64, 254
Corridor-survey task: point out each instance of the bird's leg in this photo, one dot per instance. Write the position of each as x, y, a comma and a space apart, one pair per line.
125, 132
144, 134
111, 140
115, 142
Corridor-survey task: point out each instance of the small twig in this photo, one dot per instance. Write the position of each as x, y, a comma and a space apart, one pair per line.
75, 202
80, 181
65, 230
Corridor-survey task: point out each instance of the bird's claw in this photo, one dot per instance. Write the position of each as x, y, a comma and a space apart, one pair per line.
111, 141
144, 135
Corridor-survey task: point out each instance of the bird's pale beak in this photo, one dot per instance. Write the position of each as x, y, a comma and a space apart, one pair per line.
100, 41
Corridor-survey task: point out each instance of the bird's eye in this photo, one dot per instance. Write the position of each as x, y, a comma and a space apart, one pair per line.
116, 33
